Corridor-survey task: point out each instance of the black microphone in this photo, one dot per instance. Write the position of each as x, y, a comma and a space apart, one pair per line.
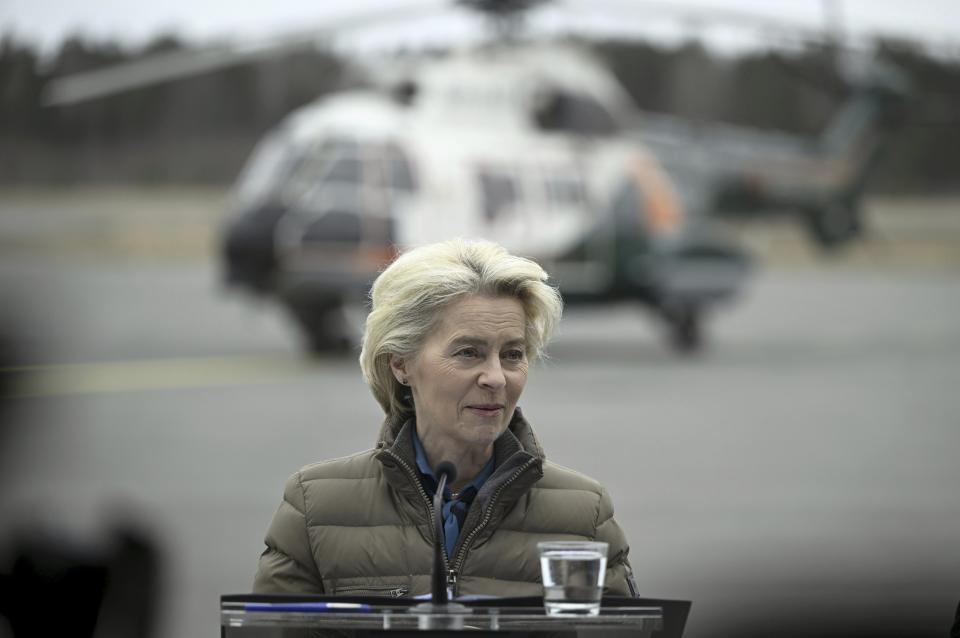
445, 472
439, 613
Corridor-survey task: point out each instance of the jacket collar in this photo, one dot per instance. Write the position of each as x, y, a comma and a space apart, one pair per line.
395, 434
518, 458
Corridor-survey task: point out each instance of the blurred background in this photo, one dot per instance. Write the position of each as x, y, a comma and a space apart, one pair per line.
757, 204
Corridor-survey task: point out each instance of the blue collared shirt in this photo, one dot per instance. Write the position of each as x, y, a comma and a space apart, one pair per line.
454, 510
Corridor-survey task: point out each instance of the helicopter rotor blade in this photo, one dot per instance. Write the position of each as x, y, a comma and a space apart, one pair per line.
702, 18
164, 67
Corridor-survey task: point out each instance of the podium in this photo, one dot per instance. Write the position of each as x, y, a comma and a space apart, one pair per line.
286, 616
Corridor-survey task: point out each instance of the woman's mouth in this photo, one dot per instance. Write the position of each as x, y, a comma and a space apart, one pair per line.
486, 409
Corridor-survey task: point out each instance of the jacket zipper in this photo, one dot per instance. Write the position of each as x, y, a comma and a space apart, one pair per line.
451, 584
465, 543
429, 501
453, 572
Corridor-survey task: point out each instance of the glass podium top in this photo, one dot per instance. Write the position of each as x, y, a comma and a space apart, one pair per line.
507, 615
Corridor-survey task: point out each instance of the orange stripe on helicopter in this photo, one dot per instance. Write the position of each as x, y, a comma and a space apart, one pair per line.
661, 208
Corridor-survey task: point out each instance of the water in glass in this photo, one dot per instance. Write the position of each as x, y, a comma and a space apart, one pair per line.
572, 580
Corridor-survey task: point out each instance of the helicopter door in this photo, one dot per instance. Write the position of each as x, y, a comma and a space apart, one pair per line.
580, 258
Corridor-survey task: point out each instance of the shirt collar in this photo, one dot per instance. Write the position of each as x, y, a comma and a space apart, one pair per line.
424, 466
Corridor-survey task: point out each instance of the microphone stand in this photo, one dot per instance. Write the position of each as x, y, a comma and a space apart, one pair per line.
439, 602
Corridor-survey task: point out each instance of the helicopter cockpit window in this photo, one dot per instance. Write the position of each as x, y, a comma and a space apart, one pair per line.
558, 110
345, 170
333, 161
270, 161
346, 164
346, 174
301, 175
499, 192
399, 169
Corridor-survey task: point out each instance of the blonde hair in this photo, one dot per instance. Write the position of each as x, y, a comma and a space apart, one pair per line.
408, 298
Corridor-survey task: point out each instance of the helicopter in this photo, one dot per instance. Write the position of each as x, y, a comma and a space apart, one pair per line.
538, 148
520, 146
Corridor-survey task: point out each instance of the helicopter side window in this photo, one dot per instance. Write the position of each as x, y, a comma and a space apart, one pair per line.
499, 192
573, 113
563, 190
399, 169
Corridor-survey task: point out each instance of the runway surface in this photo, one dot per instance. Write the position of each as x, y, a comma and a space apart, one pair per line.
805, 464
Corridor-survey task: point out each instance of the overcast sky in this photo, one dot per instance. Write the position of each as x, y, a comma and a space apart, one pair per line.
46, 22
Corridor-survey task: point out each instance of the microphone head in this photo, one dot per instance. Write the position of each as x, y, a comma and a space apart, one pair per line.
448, 468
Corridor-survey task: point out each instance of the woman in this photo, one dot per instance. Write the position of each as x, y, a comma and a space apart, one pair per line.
452, 329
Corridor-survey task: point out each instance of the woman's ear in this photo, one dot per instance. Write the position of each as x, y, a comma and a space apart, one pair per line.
399, 368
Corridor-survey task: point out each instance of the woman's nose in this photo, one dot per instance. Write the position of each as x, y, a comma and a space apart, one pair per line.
492, 375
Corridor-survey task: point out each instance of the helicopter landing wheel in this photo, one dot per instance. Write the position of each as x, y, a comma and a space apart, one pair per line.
685, 322
322, 324
834, 224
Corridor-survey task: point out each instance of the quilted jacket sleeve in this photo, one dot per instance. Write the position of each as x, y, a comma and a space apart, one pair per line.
619, 579
287, 565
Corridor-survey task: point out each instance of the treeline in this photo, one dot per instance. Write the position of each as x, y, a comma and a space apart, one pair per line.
200, 129
197, 129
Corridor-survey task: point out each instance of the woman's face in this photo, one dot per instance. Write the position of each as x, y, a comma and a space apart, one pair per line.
468, 376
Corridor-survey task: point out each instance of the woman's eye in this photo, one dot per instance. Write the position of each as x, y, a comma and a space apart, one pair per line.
514, 355
468, 353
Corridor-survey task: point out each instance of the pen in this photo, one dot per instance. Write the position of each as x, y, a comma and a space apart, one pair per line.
319, 607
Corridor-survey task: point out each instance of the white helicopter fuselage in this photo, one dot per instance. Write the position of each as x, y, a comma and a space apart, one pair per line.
484, 168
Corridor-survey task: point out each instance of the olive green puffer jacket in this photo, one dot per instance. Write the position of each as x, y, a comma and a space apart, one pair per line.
361, 525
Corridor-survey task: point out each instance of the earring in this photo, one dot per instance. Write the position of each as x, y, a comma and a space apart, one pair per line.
403, 381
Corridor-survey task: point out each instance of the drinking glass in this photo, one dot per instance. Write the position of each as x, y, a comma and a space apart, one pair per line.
573, 573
